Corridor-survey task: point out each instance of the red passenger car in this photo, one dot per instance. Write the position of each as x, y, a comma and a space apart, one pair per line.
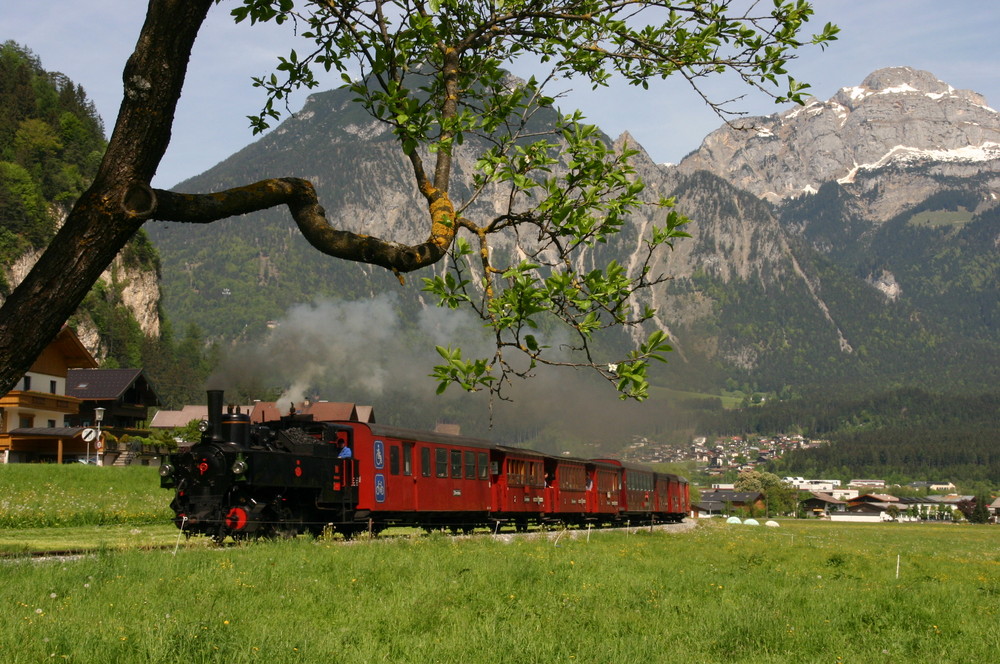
519, 491
425, 479
673, 496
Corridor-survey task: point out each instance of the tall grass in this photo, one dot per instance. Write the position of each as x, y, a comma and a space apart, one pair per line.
807, 592
38, 496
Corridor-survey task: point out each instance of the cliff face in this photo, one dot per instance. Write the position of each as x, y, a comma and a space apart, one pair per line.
128, 283
892, 140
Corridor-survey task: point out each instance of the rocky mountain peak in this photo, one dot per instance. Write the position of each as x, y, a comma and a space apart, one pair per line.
903, 81
897, 117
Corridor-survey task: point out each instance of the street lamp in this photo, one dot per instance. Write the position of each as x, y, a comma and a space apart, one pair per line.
98, 417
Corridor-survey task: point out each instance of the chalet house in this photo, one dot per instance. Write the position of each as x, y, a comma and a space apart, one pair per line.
871, 502
37, 417
819, 503
723, 501
125, 395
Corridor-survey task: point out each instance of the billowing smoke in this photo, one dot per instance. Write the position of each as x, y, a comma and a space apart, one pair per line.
368, 352
359, 348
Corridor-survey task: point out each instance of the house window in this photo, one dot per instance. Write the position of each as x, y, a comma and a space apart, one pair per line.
52, 424
25, 421
52, 387
27, 383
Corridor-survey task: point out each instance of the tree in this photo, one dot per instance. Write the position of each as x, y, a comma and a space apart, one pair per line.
432, 72
780, 497
980, 509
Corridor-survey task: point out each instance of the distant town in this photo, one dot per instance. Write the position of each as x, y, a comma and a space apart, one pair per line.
720, 456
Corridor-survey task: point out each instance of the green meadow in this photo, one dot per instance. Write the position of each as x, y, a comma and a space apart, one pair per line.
807, 591
50, 495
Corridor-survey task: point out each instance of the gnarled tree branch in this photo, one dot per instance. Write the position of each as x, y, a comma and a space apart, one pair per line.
300, 197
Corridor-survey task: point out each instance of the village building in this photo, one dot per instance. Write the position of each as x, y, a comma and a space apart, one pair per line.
123, 398
820, 504
724, 501
36, 416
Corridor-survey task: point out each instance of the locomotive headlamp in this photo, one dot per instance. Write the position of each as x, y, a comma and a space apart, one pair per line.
166, 470
203, 426
239, 467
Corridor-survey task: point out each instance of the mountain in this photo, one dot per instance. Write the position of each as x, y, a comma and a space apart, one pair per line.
885, 267
892, 141
845, 245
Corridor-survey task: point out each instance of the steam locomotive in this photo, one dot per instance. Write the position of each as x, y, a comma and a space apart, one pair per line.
296, 475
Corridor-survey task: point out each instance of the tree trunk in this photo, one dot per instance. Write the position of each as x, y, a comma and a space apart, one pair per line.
113, 209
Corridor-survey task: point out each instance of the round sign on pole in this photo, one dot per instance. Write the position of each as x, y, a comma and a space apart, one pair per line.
89, 435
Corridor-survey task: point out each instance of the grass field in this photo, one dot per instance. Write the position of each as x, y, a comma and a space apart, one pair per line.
50, 495
808, 591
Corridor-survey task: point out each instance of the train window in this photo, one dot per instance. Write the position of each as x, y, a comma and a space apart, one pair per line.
407, 458
535, 475
425, 461
571, 478
442, 462
515, 472
394, 459
456, 464
483, 461
470, 465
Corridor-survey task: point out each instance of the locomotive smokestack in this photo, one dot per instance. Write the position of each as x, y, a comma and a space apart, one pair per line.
215, 400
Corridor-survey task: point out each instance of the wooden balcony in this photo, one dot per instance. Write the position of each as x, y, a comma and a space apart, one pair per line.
59, 403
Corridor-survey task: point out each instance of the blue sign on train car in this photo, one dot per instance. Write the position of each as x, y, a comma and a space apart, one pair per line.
379, 488
379, 455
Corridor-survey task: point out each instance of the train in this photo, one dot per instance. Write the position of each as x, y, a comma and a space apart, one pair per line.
296, 475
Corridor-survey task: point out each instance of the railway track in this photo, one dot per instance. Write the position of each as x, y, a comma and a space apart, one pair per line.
552, 534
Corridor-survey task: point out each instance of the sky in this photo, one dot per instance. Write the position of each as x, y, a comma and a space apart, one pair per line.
90, 42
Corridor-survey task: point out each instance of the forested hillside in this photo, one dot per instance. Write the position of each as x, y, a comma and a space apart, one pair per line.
51, 142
